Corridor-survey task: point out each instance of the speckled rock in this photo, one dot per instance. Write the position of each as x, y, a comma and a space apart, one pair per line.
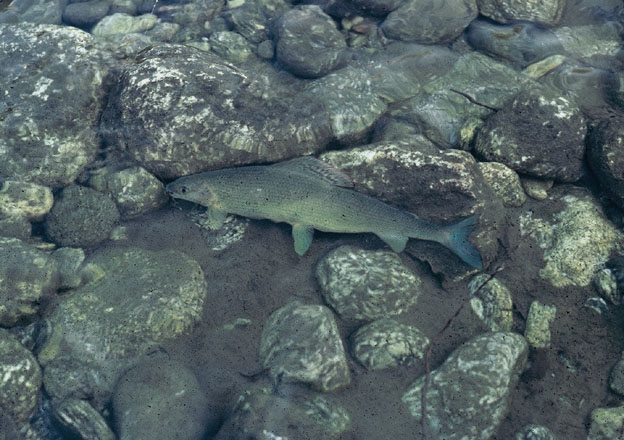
366, 285
301, 343
81, 217
80, 419
84, 14
606, 423
540, 134
616, 377
575, 237
264, 414
218, 110
492, 303
598, 45
134, 190
160, 398
24, 199
386, 343
15, 227
606, 157
539, 319
69, 261
117, 24
36, 11
20, 379
131, 302
468, 396
504, 181
50, 100
433, 22
27, 276
252, 19
535, 432
605, 282
536, 188
308, 43
230, 46
441, 188
505, 11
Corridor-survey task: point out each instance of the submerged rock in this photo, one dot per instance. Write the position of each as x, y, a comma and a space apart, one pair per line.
606, 157
542, 11
468, 396
606, 423
492, 303
366, 285
301, 343
504, 181
24, 199
80, 419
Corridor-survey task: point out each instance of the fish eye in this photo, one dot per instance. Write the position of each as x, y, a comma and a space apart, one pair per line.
183, 190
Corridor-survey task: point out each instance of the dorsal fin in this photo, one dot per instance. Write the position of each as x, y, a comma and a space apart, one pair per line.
312, 167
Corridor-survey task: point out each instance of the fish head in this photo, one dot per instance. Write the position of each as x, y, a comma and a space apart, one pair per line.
193, 190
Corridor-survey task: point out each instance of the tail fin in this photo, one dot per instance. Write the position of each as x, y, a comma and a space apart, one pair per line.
459, 244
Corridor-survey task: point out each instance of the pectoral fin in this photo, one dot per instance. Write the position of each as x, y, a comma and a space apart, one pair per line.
396, 242
303, 237
216, 218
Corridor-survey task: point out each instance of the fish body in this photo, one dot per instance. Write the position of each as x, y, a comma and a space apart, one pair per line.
309, 194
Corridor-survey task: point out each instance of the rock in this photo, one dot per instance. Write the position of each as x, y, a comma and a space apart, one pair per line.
27, 277
308, 43
253, 19
69, 261
20, 379
534, 432
539, 319
433, 22
575, 237
132, 301
492, 302
230, 46
134, 190
440, 188
605, 282
606, 423
301, 343
81, 217
386, 343
540, 133
606, 157
263, 413
265, 50
80, 419
547, 12
85, 14
366, 285
37, 11
468, 396
160, 398
504, 181
616, 377
117, 24
51, 94
15, 227
24, 199
536, 188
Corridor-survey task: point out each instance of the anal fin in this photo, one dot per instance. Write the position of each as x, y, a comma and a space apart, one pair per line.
396, 242
303, 237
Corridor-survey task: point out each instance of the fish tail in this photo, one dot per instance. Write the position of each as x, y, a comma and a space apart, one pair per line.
457, 241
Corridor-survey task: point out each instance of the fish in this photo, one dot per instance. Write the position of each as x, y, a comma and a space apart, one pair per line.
311, 194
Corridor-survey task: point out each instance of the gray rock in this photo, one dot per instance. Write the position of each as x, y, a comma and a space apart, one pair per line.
129, 7
81, 217
386, 343
20, 379
67, 378
262, 413
598, 45
27, 276
84, 14
606, 156
536, 188
15, 227
546, 11
432, 22
308, 43
605, 282
69, 262
441, 188
366, 285
535, 432
134, 190
230, 46
575, 237
160, 398
265, 50
492, 303
33, 11
616, 377
504, 181
52, 104
606, 423
301, 343
253, 18
23, 199
80, 419
539, 319
540, 133
119, 24
468, 396
131, 303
